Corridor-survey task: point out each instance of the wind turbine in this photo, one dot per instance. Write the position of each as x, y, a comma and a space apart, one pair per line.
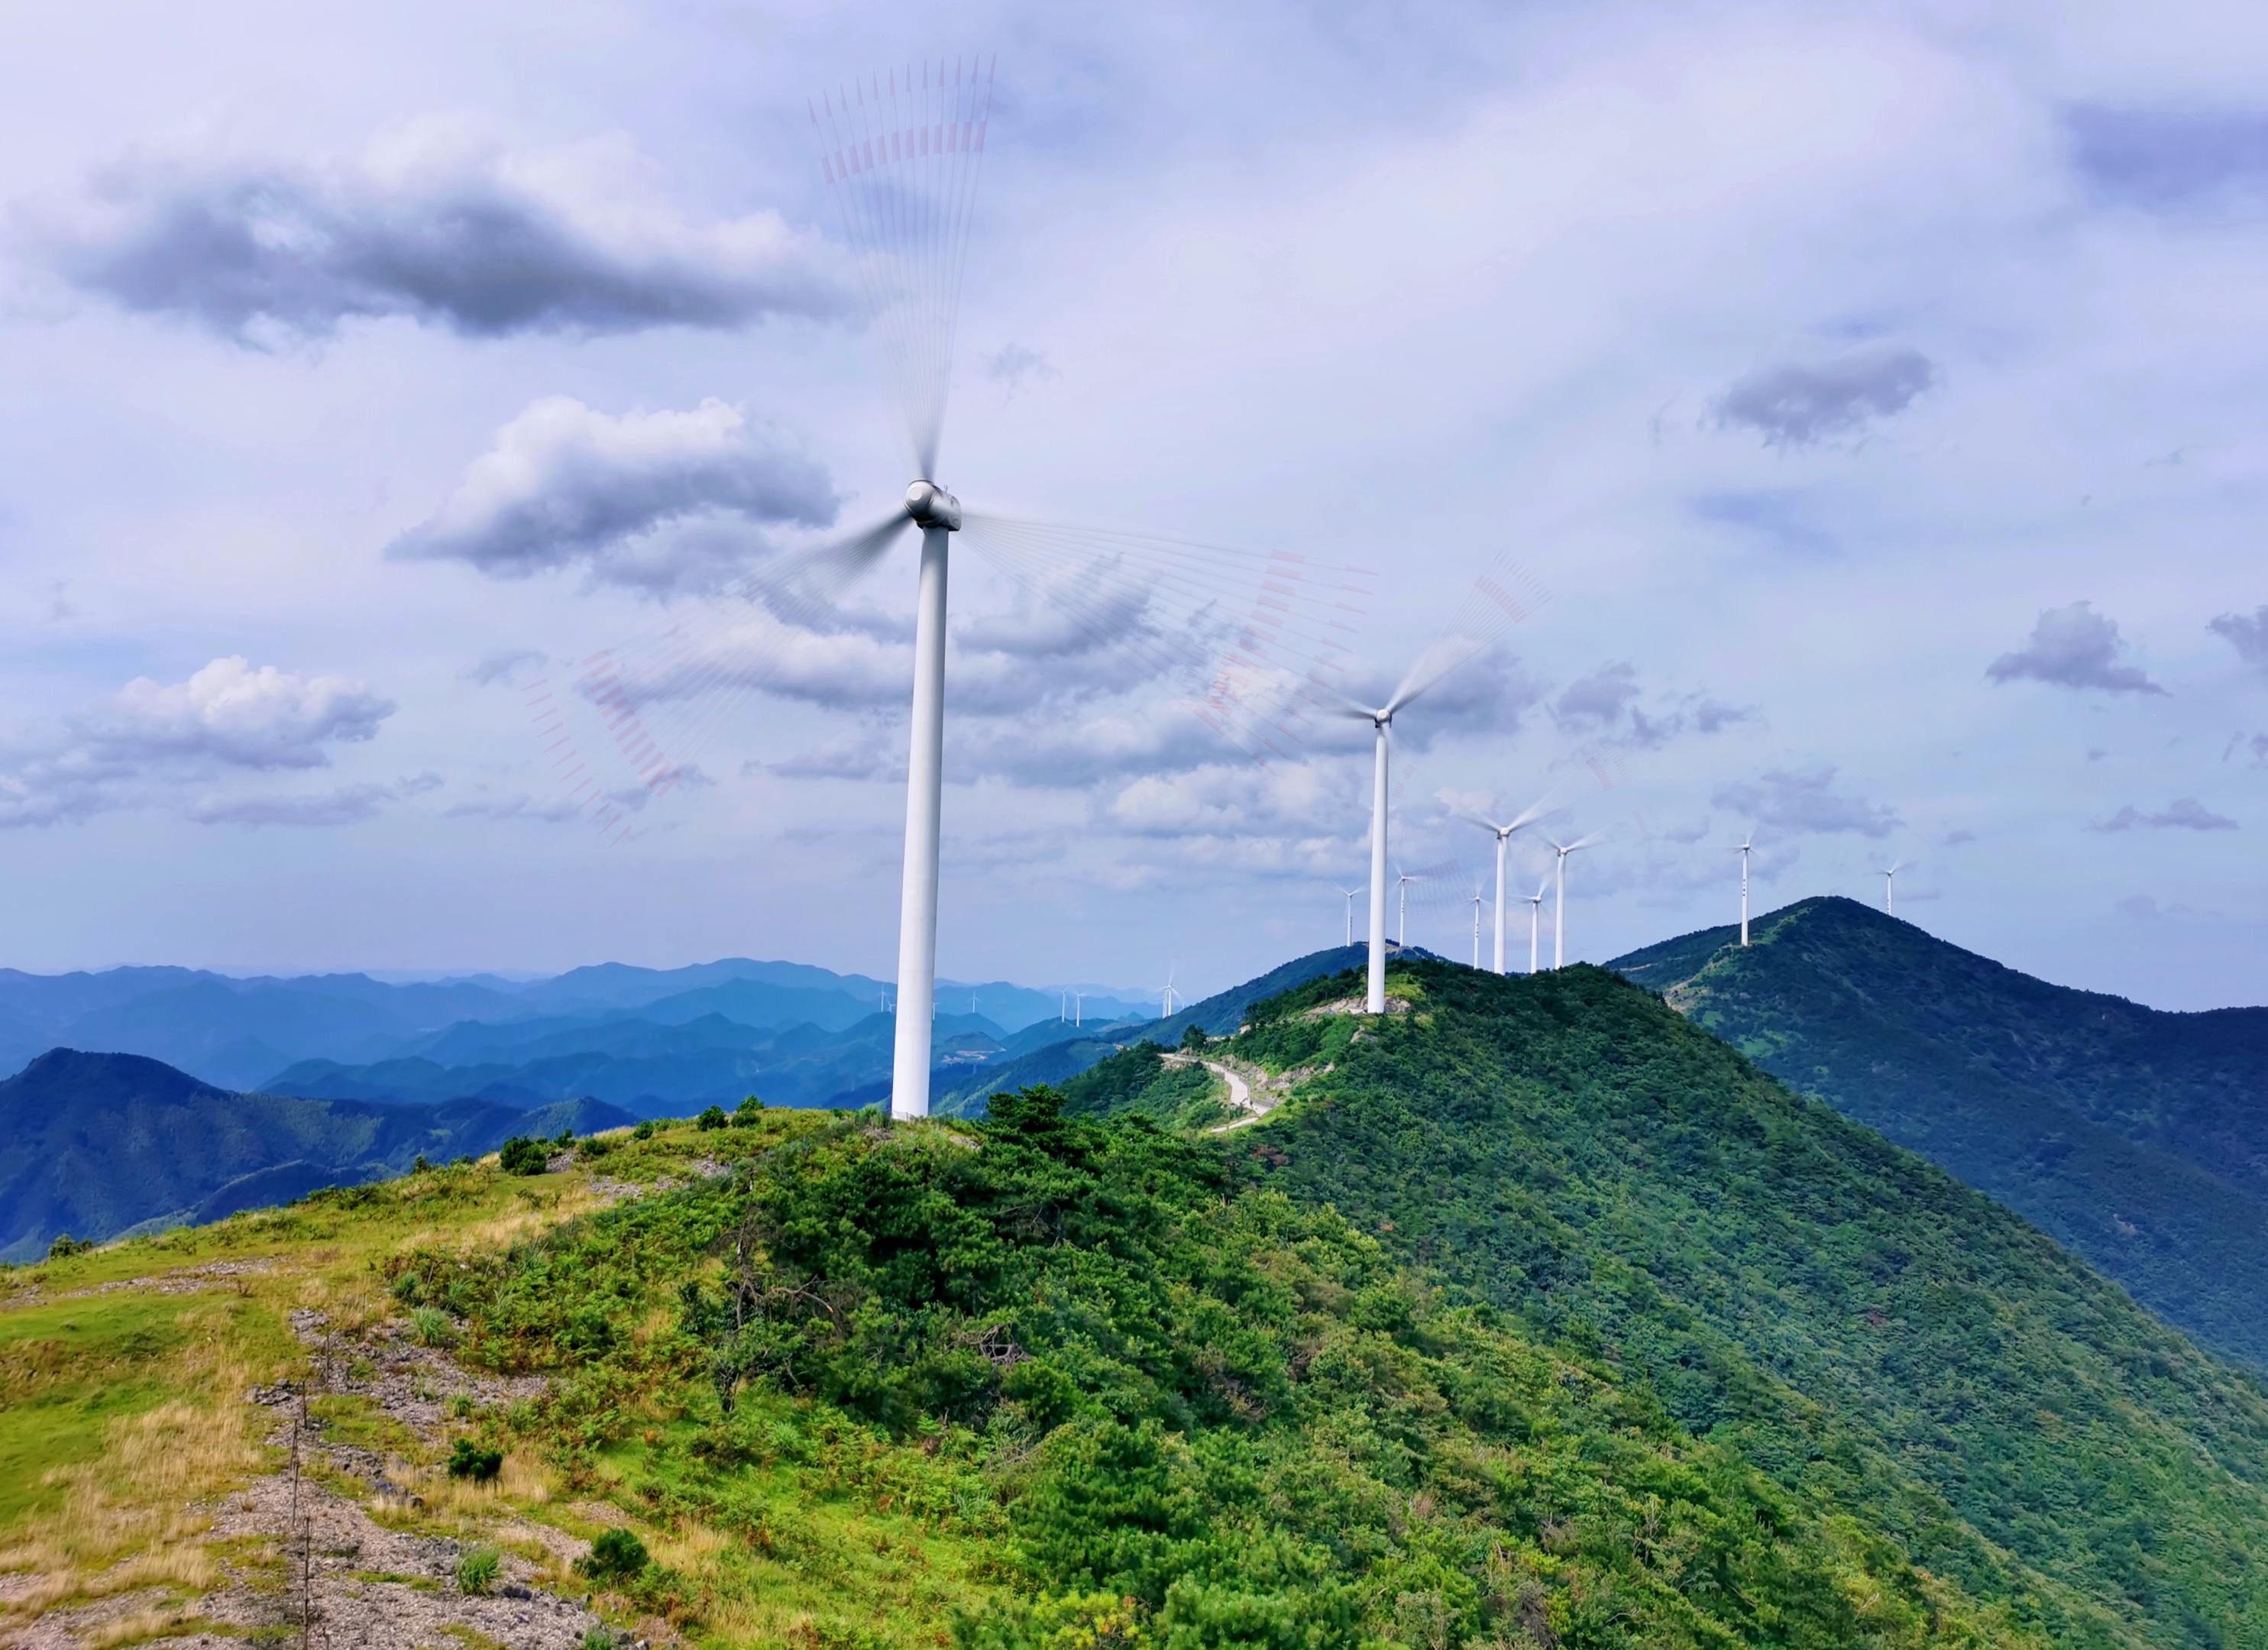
1559, 904
1349, 893
1477, 931
1167, 992
1401, 881
900, 152
1889, 888
1476, 628
1536, 920
1525, 816
1744, 851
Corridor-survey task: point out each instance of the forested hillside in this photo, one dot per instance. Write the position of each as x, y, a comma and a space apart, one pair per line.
2137, 1138
1535, 1318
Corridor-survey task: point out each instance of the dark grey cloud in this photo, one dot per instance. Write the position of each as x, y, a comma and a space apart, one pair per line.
1798, 403
441, 229
2183, 814
1596, 701
1804, 798
2072, 647
662, 502
2248, 636
2170, 160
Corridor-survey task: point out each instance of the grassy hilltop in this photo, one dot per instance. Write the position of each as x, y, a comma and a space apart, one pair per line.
1535, 1318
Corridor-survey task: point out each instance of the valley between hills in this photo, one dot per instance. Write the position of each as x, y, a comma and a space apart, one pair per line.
1534, 1314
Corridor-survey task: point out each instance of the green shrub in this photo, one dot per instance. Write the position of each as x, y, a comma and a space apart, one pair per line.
713, 1118
645, 1131
429, 1326
520, 1155
593, 1146
478, 1462
566, 1138
1195, 1038
748, 1111
616, 1556
66, 1245
477, 1571
421, 1165
601, 1638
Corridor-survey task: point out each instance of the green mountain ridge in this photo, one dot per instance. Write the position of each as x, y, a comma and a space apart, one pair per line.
2138, 1139
1536, 1316
96, 1145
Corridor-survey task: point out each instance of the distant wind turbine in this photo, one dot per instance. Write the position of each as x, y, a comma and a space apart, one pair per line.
1168, 990
1536, 920
1349, 893
1525, 816
1744, 851
1559, 904
1477, 897
1485, 617
1401, 881
1890, 887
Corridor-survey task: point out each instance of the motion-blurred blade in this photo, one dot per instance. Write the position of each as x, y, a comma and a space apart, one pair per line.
1443, 655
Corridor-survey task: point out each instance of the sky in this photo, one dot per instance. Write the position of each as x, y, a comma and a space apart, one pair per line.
422, 427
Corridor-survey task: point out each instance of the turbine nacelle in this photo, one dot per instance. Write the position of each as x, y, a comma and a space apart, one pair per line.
930, 505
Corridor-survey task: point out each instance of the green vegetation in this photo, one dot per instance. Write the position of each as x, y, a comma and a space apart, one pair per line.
522, 1156
2135, 1138
1535, 1318
477, 1571
713, 1117
616, 1556
1869, 1332
469, 1459
1139, 1082
1075, 1358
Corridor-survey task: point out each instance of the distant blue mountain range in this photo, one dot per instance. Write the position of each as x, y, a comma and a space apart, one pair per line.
656, 1042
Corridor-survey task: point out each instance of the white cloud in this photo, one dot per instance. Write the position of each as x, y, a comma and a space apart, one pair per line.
228, 717
655, 501
2073, 647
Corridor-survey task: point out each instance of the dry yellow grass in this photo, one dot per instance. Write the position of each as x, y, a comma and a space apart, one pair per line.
525, 1480
689, 1547
154, 1623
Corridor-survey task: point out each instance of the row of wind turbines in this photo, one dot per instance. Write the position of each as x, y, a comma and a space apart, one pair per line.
900, 153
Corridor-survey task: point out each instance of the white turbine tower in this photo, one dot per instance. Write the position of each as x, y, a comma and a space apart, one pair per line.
1401, 881
1349, 893
1889, 888
1477, 897
1166, 992
1536, 921
1478, 626
901, 152
1526, 816
1559, 902
1744, 851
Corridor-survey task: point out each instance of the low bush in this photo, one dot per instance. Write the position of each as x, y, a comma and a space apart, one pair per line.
66, 1245
748, 1111
616, 1556
645, 1131
713, 1118
476, 1461
520, 1155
